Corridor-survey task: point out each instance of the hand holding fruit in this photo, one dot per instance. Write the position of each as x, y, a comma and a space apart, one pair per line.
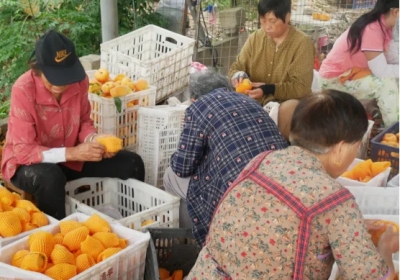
256, 92
88, 151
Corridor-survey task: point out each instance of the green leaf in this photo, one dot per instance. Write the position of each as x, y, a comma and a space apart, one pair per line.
118, 104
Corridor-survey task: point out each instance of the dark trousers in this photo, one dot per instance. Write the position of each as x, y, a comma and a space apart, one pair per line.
46, 181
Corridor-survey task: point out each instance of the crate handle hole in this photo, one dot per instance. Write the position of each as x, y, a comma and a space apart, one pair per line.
82, 189
171, 40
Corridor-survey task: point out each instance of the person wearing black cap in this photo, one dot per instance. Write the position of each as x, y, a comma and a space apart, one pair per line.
359, 64
51, 139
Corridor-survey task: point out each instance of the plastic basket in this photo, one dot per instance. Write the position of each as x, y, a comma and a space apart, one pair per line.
159, 132
9, 240
127, 264
171, 249
158, 55
379, 180
376, 201
363, 151
123, 124
363, 4
381, 152
136, 201
394, 182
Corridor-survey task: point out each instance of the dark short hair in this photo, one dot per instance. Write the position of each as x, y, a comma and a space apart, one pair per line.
280, 8
324, 119
35, 68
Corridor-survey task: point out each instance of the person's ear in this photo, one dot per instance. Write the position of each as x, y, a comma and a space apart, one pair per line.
337, 153
287, 18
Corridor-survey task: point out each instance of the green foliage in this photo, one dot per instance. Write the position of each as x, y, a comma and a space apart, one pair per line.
22, 22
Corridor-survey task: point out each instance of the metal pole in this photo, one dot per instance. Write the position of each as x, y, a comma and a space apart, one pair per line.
109, 19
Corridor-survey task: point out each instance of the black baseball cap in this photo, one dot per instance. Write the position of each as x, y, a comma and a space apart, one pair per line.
56, 58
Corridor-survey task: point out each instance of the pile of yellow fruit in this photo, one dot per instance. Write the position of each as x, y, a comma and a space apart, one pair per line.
121, 85
391, 139
77, 247
18, 215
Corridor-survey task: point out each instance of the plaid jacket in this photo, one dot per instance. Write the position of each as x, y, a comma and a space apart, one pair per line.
223, 131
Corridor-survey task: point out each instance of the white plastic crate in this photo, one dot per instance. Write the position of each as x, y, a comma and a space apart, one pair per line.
394, 182
136, 201
376, 201
379, 180
9, 240
127, 264
158, 55
108, 120
159, 131
363, 151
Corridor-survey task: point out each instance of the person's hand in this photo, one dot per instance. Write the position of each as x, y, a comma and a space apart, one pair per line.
237, 81
89, 151
370, 224
238, 77
390, 239
256, 92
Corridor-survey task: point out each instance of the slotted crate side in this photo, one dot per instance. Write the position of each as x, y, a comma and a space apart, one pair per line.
363, 4
156, 54
382, 152
159, 131
123, 124
135, 201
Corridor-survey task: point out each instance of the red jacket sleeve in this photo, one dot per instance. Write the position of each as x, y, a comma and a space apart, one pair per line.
22, 131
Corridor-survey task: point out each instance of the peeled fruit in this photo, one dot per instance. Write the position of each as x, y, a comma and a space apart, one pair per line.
141, 84
102, 75
244, 86
119, 91
107, 87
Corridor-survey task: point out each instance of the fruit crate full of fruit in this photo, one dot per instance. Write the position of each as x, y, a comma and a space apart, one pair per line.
385, 147
78, 247
139, 204
115, 105
170, 250
158, 55
159, 130
19, 218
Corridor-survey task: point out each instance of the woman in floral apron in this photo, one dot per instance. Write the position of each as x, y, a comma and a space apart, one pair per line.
286, 217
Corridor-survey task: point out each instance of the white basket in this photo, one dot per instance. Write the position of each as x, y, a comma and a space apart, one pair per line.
127, 264
379, 180
108, 120
158, 55
135, 200
9, 240
393, 218
363, 151
376, 201
394, 182
159, 131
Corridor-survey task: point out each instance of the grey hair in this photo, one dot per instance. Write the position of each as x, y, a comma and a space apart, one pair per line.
205, 82
313, 148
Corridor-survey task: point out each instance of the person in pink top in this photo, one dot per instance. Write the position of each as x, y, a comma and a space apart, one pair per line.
358, 62
51, 139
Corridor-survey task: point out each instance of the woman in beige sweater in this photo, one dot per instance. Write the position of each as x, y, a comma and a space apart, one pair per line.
278, 58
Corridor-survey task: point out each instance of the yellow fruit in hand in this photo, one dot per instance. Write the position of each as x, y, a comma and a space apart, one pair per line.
112, 144
244, 86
